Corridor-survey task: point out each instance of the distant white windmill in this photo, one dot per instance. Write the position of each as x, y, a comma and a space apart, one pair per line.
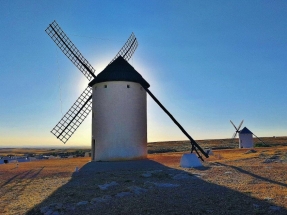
245, 136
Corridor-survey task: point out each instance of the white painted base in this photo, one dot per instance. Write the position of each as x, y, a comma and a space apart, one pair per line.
190, 160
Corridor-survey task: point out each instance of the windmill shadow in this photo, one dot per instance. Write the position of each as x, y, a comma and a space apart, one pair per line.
146, 187
252, 174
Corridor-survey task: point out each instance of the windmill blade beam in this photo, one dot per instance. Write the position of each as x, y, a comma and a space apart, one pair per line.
234, 135
259, 139
70, 50
128, 48
240, 124
234, 125
74, 117
194, 144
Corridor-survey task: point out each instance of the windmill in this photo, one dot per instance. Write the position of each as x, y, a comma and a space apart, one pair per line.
117, 99
245, 136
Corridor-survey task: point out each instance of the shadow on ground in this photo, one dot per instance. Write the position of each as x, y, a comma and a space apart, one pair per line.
146, 187
253, 175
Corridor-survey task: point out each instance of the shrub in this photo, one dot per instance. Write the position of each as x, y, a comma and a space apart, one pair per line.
261, 145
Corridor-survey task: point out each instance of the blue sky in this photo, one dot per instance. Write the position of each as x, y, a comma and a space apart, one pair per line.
206, 61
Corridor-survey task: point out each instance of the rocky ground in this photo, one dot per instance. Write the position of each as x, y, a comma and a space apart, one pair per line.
230, 182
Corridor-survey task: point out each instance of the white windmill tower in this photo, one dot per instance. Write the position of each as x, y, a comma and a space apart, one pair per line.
119, 119
117, 98
245, 136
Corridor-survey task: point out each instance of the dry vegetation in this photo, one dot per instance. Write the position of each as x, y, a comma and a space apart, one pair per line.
184, 145
232, 181
39, 151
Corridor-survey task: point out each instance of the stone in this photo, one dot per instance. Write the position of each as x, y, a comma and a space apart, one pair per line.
107, 185
102, 199
228, 172
137, 190
82, 203
146, 175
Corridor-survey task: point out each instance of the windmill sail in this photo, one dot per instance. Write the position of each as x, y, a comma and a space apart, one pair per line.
74, 117
128, 49
70, 50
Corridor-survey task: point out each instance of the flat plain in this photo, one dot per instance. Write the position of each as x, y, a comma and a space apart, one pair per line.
231, 181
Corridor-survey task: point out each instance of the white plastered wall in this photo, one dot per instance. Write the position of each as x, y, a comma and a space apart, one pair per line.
245, 141
119, 121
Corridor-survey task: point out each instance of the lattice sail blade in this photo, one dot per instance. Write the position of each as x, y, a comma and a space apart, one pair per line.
74, 117
233, 125
240, 124
70, 50
128, 49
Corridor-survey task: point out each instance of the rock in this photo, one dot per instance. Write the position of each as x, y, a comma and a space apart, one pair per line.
107, 185
51, 209
267, 161
228, 172
123, 194
146, 175
96, 200
104, 198
137, 190
267, 198
82, 203
274, 208
250, 151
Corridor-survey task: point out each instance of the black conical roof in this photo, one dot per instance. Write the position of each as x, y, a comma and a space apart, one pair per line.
119, 70
245, 131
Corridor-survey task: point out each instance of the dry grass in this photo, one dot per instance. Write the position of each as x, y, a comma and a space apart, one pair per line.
245, 180
22, 151
180, 146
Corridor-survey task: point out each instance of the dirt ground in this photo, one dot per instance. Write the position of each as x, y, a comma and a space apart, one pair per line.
231, 181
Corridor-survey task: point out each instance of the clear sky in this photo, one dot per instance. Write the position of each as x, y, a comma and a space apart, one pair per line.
208, 62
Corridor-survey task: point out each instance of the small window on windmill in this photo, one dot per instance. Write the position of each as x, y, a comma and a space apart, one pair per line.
141, 88
106, 86
128, 86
